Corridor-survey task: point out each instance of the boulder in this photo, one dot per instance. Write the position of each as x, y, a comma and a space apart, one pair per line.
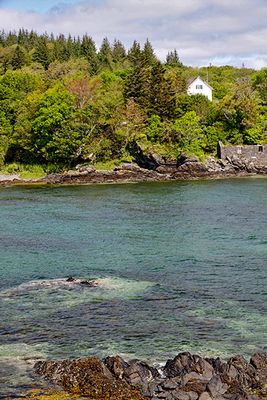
136, 373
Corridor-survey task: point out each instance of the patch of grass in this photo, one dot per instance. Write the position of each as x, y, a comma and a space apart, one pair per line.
24, 171
107, 165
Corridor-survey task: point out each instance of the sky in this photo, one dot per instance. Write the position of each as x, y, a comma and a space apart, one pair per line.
204, 32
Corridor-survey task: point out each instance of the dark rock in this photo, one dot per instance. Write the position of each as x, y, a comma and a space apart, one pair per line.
87, 377
116, 365
190, 367
197, 387
136, 373
169, 384
181, 395
87, 283
259, 361
194, 168
183, 159
216, 386
70, 279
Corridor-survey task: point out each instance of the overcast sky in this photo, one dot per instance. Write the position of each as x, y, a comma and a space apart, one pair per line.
203, 31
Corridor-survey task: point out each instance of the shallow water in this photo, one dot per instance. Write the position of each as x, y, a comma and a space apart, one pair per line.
179, 266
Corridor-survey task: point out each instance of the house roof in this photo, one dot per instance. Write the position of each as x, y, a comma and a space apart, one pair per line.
190, 81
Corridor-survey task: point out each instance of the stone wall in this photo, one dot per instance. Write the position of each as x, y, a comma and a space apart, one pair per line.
245, 153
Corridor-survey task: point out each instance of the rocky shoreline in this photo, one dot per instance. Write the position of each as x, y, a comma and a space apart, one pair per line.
186, 377
150, 169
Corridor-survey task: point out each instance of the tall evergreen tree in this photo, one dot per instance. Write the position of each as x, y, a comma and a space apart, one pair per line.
118, 51
41, 52
105, 54
11, 39
149, 54
18, 59
173, 60
135, 54
138, 85
162, 94
61, 51
88, 50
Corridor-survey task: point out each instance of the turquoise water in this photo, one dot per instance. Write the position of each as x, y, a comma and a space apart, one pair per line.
179, 266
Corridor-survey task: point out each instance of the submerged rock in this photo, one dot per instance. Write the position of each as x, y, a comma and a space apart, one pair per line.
83, 282
186, 377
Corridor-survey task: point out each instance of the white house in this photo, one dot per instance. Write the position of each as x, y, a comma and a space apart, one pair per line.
198, 86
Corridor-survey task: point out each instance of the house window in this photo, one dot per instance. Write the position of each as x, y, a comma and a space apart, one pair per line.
261, 149
199, 86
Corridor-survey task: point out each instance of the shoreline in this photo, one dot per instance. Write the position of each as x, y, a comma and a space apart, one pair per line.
185, 377
124, 175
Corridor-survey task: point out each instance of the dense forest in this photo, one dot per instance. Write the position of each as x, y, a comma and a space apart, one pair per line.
65, 102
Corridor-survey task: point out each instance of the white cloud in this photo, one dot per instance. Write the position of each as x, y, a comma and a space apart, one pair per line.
202, 31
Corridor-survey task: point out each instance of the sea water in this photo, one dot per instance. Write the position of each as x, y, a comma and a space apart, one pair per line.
179, 266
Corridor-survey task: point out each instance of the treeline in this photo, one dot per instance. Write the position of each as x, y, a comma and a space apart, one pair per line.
63, 102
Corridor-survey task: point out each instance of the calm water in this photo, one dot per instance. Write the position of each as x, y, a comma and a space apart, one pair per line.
180, 266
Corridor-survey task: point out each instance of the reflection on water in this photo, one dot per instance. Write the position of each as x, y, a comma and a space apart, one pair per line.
178, 266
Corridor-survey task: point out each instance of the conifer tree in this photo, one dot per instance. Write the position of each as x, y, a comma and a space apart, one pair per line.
18, 59
11, 39
41, 53
61, 52
88, 50
138, 85
172, 59
135, 54
105, 54
148, 54
162, 94
118, 51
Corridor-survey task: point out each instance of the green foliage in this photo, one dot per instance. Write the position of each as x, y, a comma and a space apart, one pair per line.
154, 131
259, 83
62, 102
189, 133
54, 138
258, 133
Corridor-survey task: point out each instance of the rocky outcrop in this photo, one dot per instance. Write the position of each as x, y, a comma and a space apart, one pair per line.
186, 377
151, 168
87, 377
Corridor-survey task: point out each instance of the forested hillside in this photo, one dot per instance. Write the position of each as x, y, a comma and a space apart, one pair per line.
64, 102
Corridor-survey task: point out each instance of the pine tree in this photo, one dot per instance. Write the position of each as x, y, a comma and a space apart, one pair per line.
18, 59
173, 60
105, 54
138, 86
118, 52
11, 39
148, 54
135, 54
41, 53
88, 50
162, 93
61, 51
